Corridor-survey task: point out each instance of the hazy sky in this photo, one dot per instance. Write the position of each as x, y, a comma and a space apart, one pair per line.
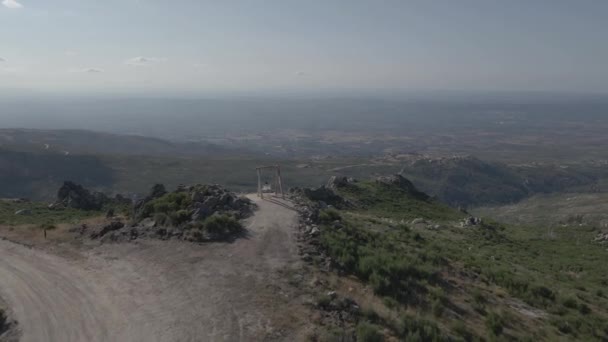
230, 45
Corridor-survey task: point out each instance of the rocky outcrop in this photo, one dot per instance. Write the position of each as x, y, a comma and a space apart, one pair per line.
158, 190
194, 213
602, 238
470, 221
336, 182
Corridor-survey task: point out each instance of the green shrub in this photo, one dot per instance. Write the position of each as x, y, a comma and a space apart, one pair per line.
543, 292
180, 216
584, 309
564, 326
221, 225
416, 329
460, 329
162, 219
437, 307
571, 303
329, 215
495, 323
367, 332
370, 315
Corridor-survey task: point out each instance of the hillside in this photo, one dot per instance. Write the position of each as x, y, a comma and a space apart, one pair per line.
442, 278
468, 181
39, 175
554, 209
90, 142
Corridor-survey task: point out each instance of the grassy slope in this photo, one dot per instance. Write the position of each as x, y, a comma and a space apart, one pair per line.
554, 209
488, 281
40, 214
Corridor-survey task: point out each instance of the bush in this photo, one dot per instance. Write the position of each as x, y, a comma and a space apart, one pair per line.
162, 219
370, 315
221, 225
460, 329
571, 303
414, 329
180, 216
367, 332
329, 215
495, 323
437, 307
543, 292
584, 309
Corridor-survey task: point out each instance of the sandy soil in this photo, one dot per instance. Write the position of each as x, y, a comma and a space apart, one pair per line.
162, 291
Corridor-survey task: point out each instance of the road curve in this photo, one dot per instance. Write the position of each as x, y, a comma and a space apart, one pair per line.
158, 291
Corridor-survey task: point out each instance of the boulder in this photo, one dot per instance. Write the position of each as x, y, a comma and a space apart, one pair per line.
115, 225
325, 195
337, 182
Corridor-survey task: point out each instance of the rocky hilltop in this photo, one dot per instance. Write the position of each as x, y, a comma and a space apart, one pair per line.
196, 213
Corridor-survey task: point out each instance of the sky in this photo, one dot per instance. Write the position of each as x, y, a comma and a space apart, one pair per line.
74, 46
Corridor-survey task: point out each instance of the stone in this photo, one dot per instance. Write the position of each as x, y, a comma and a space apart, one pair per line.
336, 182
113, 226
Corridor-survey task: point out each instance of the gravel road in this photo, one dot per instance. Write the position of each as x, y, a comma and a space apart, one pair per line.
161, 291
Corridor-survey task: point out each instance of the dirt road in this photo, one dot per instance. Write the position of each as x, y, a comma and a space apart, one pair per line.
162, 291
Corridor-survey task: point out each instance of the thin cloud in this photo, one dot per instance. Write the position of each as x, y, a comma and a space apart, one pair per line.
2, 60
87, 70
12, 4
143, 61
300, 73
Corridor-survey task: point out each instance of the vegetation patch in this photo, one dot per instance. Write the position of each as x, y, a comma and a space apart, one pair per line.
505, 282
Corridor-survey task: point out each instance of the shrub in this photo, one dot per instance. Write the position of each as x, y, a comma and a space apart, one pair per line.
329, 215
415, 329
437, 307
162, 219
367, 332
323, 301
460, 329
584, 309
180, 216
370, 315
543, 292
495, 323
221, 225
571, 303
